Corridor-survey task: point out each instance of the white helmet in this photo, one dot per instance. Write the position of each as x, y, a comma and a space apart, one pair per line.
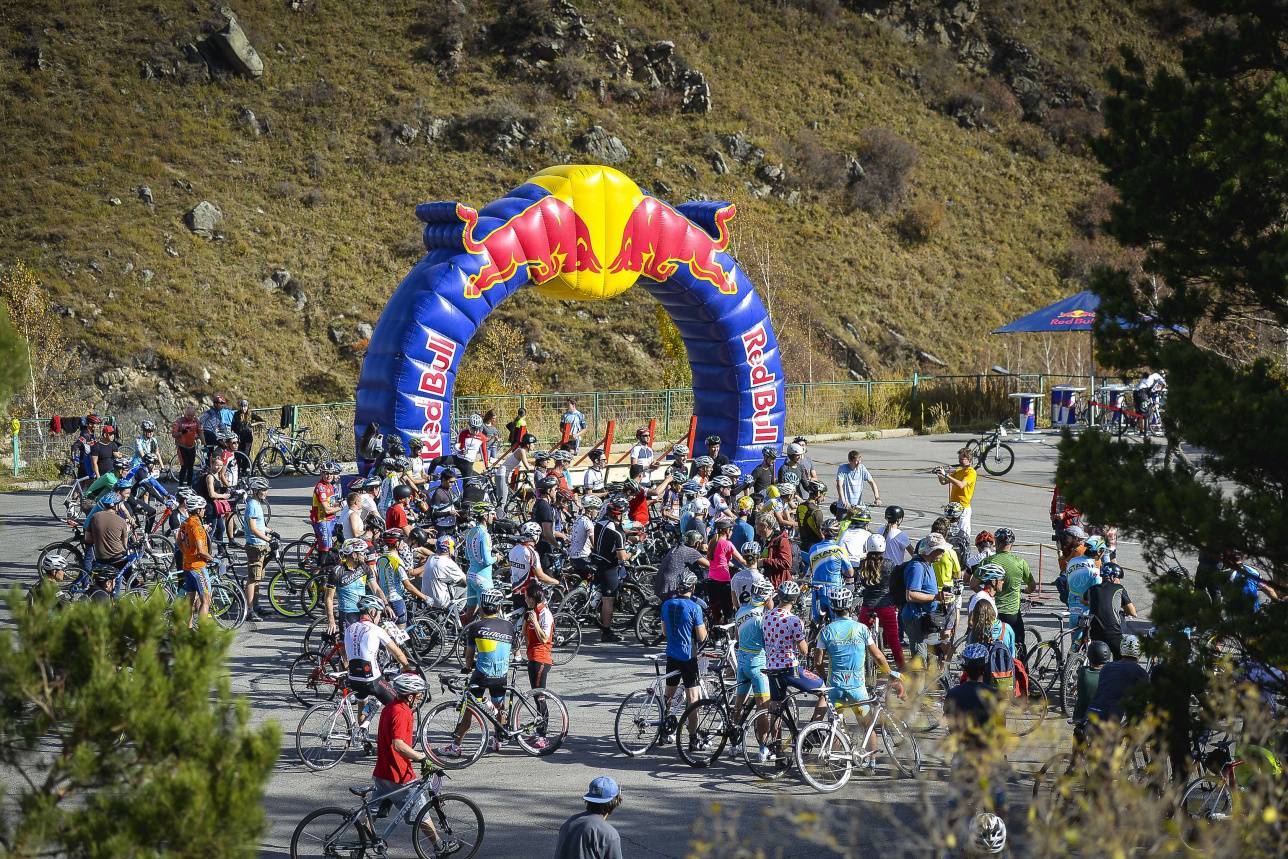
195, 503
701, 505
1130, 647
476, 421
408, 684
53, 563
875, 545
530, 531
987, 835
354, 546
793, 449
593, 502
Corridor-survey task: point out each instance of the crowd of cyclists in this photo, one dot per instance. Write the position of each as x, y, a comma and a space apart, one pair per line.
813, 596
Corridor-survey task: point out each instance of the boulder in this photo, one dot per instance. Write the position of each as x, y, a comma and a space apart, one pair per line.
145, 194
236, 49
695, 94
204, 219
602, 146
256, 126
718, 164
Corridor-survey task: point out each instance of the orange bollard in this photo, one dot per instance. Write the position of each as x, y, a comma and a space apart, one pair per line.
693, 432
652, 428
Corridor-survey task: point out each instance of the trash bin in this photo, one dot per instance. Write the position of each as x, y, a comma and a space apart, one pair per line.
1028, 410
1064, 405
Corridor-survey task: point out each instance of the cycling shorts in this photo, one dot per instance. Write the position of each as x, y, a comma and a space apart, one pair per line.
688, 669
818, 600
751, 675
495, 686
474, 592
325, 534
609, 581
196, 582
378, 688
847, 690
400, 611
780, 679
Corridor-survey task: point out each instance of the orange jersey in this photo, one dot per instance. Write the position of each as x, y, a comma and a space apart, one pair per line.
192, 542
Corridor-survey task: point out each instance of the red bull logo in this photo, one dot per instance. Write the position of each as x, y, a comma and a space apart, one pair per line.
1074, 317
764, 391
434, 385
657, 240
549, 237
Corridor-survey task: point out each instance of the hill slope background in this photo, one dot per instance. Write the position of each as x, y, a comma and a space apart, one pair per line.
908, 174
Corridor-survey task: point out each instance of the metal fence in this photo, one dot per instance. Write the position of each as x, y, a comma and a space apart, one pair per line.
926, 403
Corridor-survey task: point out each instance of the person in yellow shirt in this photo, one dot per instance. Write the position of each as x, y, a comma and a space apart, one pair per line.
961, 485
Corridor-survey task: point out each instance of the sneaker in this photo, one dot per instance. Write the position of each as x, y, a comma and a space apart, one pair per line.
735, 749
451, 750
255, 617
765, 754
666, 739
538, 743
610, 636
447, 847
494, 745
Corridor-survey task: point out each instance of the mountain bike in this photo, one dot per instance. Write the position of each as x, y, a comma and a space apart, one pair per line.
65, 499
992, 454
282, 450
441, 824
1054, 665
582, 601
826, 756
537, 721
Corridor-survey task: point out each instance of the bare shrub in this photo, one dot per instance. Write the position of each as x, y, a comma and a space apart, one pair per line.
920, 221
1031, 141
1090, 216
999, 101
313, 198
887, 160
1073, 127
571, 74
820, 167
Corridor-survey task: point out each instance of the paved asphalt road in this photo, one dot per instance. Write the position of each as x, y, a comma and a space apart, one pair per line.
525, 800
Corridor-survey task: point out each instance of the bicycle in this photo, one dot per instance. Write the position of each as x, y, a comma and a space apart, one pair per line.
1054, 664
451, 823
582, 601
991, 453
825, 755
537, 721
282, 450
66, 499
337, 727
645, 717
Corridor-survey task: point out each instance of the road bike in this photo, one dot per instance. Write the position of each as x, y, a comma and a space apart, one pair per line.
66, 499
582, 601
536, 720
327, 731
282, 450
645, 718
992, 454
1054, 665
441, 824
826, 756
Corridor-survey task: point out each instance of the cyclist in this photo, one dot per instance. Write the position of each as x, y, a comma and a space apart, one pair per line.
516, 464
1108, 603
1118, 679
898, 543
581, 539
396, 514
956, 535
688, 556
442, 575
488, 641
610, 559
1254, 588
471, 446
777, 542
106, 482
828, 567
921, 593
983, 627
195, 551
525, 564
443, 500
1098, 655
1083, 573
746, 578
784, 648
685, 630
854, 531
719, 575
642, 453
348, 579
478, 551
393, 574
107, 531
961, 483
145, 444
809, 514
592, 480
970, 705
1016, 575
324, 506
990, 577
750, 631
701, 469
762, 476
538, 634
874, 577
102, 452
572, 424
362, 642
847, 643
718, 459
255, 529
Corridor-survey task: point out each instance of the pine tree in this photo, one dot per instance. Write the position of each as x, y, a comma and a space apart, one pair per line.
124, 736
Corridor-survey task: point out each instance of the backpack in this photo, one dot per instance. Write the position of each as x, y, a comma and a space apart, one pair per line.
1001, 665
898, 587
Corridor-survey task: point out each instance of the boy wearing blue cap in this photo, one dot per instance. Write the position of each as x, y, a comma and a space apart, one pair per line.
589, 835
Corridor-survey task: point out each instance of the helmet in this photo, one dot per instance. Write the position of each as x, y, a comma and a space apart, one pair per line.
394, 448
370, 483
761, 591
53, 563
330, 467
151, 459
491, 599
816, 487
840, 597
592, 502
1099, 653
476, 421
195, 503
219, 400
987, 835
679, 474
704, 462
800, 439
894, 513
92, 419
745, 504
530, 531
830, 528
354, 546
596, 455
642, 431
859, 516
1074, 532
617, 504
692, 537
148, 426
105, 571
785, 489
722, 482
401, 463
541, 455
1130, 647
713, 439
394, 535
688, 580
110, 499
769, 452
991, 573
731, 471
408, 684
954, 510
415, 443
561, 456
692, 487
1110, 570
1005, 536
789, 591
402, 492
419, 536
750, 549
975, 652
547, 483
369, 603
373, 554
120, 459
793, 449
1096, 544
528, 438
482, 509
983, 537
875, 545
701, 505
680, 451
257, 484
445, 545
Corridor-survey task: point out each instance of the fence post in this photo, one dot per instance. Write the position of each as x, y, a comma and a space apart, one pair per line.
915, 415
666, 413
869, 399
979, 385
594, 410
16, 451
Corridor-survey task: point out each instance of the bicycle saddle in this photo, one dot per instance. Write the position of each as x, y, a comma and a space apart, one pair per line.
362, 791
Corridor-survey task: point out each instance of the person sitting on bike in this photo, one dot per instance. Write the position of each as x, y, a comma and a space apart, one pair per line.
828, 567
1108, 603
685, 630
1098, 655
1118, 680
478, 551
194, 549
847, 644
582, 538
809, 515
108, 533
142, 479
525, 564
750, 631
442, 576
324, 506
1083, 573
746, 578
785, 646
108, 481
362, 642
488, 642
348, 579
393, 574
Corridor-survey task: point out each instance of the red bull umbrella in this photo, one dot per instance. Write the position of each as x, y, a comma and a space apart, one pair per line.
1075, 313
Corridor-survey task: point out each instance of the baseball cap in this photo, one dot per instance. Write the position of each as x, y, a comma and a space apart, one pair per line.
1076, 532
602, 789
933, 542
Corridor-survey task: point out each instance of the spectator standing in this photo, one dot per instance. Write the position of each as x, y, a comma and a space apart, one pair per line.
103, 452
572, 422
243, 424
493, 434
589, 835
517, 427
961, 485
807, 462
851, 477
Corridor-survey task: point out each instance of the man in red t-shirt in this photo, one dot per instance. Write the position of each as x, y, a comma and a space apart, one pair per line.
396, 515
639, 496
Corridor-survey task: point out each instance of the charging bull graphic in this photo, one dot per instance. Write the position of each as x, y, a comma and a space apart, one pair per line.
582, 232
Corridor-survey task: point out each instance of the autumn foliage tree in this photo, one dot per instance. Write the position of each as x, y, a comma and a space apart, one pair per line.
52, 366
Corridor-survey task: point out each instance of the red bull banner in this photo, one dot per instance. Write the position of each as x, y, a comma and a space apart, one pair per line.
582, 232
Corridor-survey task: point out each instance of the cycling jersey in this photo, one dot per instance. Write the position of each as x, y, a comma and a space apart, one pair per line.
523, 563
828, 566
593, 479
362, 642
472, 446
783, 631
478, 551
1083, 575
143, 447
491, 638
750, 625
323, 494
349, 585
583, 535
391, 572
846, 642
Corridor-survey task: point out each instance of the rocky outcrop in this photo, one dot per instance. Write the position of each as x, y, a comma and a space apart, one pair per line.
236, 48
602, 147
204, 219
224, 50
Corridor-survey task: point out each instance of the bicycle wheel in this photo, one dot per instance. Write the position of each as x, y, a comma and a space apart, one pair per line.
311, 459
1205, 798
1046, 669
567, 638
1069, 680
900, 746
328, 832
1027, 711
1054, 785
638, 726
824, 757
703, 730
64, 501
300, 554
309, 681
630, 599
431, 640
310, 592
283, 590
270, 462
156, 557
576, 602
769, 744
648, 625
227, 605
998, 459
73, 556
437, 734
324, 736
541, 719
449, 824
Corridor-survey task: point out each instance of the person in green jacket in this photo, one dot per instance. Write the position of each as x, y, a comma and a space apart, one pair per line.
108, 481
1098, 654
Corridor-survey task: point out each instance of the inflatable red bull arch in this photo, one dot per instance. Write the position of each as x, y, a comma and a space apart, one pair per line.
576, 232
